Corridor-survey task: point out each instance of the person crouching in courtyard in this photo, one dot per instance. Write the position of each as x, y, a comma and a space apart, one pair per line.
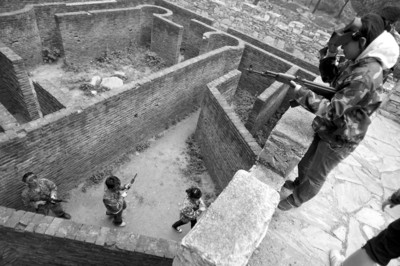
342, 122
41, 194
193, 206
114, 199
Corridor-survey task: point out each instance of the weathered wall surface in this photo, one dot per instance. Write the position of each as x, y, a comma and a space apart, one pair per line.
195, 41
7, 121
183, 16
71, 144
15, 84
271, 49
260, 61
48, 103
88, 35
267, 103
233, 226
211, 241
226, 144
19, 32
166, 38
34, 239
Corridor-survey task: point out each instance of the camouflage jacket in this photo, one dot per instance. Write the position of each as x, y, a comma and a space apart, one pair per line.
113, 200
41, 192
345, 118
190, 209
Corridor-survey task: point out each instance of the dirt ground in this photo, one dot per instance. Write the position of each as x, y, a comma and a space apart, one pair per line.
155, 197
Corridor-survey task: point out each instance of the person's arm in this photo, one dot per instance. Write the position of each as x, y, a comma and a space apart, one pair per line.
190, 213
392, 201
52, 187
351, 93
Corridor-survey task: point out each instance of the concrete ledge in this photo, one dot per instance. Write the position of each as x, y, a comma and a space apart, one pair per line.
232, 227
288, 141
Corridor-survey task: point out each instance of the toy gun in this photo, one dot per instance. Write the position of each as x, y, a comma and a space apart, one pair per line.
129, 185
319, 89
50, 200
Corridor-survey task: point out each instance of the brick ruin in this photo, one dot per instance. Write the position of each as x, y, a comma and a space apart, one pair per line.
66, 142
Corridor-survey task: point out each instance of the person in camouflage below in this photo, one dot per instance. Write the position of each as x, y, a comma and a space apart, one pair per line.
114, 199
40, 194
192, 207
341, 123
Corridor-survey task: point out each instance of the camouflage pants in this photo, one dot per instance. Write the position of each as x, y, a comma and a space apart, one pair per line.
54, 207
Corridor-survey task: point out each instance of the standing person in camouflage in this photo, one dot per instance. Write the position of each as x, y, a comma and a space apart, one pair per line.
40, 194
342, 122
114, 199
192, 207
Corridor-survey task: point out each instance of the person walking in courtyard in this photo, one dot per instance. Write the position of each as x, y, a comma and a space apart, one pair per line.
342, 122
41, 195
193, 206
379, 249
114, 199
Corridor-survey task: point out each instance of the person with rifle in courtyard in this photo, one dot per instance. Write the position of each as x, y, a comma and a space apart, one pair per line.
41, 194
114, 198
341, 122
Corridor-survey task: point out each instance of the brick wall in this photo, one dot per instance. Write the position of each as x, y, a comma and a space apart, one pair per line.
194, 41
87, 35
34, 239
16, 84
183, 16
260, 61
166, 38
226, 144
267, 103
7, 121
12, 5
19, 32
71, 144
278, 52
48, 103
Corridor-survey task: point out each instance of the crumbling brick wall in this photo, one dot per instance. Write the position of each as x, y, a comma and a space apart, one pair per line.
16, 87
225, 143
71, 144
35, 239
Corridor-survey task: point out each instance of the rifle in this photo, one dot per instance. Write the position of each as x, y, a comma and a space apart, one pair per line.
52, 201
319, 89
129, 185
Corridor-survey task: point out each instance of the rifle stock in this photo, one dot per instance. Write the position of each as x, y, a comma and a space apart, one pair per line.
319, 89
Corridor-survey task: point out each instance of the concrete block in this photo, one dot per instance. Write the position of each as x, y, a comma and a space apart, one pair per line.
267, 176
53, 227
232, 228
92, 234
83, 232
127, 242
5, 213
288, 141
102, 236
43, 224
68, 229
14, 218
26, 218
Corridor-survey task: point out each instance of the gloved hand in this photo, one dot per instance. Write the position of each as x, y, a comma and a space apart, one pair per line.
124, 194
128, 186
39, 202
